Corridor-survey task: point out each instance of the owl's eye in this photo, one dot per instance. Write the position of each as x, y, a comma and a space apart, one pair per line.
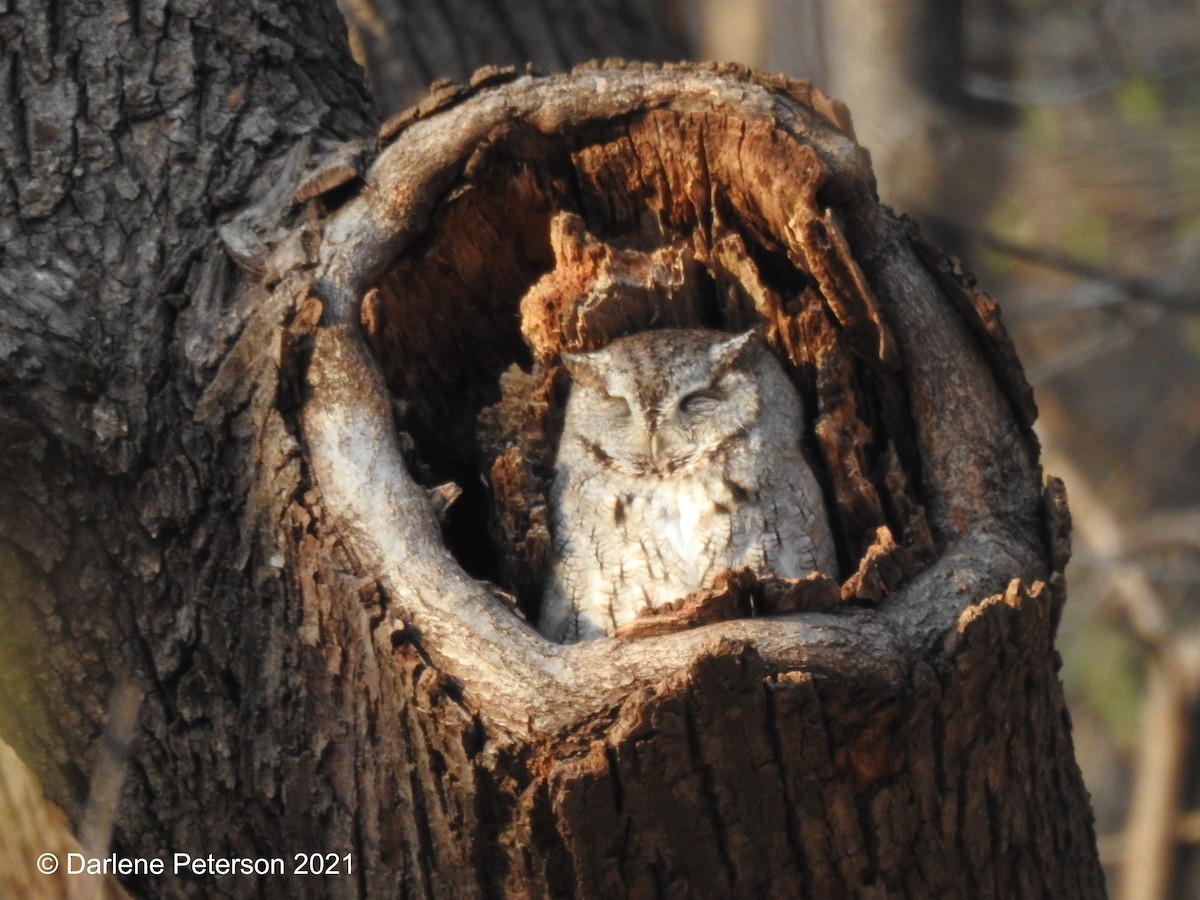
617, 407
701, 401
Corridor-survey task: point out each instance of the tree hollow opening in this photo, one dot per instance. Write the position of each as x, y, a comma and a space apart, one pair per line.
673, 217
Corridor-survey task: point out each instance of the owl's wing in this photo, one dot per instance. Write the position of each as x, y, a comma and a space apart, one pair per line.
787, 510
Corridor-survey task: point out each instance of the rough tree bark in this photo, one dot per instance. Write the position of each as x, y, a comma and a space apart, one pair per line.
235, 356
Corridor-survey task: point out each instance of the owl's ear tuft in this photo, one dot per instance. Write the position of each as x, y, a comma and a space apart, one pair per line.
727, 352
586, 368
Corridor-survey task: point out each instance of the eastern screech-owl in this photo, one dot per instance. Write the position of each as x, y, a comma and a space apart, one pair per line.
680, 456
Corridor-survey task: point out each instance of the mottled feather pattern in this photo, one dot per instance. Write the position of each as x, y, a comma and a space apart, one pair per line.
680, 456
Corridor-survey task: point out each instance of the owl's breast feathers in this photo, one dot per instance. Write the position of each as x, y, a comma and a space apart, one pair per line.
687, 523
680, 456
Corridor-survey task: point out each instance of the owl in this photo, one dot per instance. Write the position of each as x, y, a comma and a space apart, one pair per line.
680, 456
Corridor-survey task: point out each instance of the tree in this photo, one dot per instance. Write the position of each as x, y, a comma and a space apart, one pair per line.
242, 342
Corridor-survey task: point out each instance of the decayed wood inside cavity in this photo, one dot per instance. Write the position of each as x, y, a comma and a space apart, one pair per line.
468, 325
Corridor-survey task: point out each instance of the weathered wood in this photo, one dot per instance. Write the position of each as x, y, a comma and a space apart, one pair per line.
812, 753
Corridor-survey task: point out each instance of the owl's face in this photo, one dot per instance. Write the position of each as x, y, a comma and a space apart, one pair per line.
659, 403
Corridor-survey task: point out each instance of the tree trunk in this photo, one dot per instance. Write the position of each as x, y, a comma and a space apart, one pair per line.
236, 358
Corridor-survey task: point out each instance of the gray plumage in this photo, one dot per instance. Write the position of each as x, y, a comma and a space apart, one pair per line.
680, 456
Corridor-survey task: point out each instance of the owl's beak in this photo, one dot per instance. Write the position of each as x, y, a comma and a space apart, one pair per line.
656, 451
